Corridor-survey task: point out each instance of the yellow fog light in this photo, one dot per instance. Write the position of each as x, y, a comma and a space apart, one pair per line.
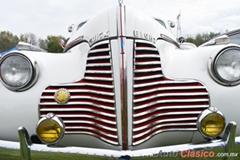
211, 123
50, 129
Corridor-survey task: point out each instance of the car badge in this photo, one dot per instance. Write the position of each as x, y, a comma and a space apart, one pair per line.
62, 96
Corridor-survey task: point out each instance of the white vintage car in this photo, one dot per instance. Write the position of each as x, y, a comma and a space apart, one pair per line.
123, 87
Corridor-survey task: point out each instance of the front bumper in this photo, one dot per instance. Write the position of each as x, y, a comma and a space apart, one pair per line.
228, 142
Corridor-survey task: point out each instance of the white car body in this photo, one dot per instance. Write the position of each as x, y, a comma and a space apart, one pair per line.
110, 109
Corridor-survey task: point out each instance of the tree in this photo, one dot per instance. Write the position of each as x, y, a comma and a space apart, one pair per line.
29, 38
201, 38
53, 44
7, 40
43, 43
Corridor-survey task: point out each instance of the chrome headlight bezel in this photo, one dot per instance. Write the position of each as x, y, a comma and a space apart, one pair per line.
213, 69
31, 62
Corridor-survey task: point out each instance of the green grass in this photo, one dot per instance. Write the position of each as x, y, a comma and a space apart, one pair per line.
8, 154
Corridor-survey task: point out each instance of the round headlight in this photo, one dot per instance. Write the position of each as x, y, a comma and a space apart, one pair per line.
226, 66
18, 72
211, 123
50, 129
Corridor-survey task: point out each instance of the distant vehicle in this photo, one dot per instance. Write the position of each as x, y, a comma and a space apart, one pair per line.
234, 36
122, 88
23, 46
228, 37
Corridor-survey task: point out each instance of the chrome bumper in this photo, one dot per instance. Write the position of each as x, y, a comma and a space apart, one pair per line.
228, 142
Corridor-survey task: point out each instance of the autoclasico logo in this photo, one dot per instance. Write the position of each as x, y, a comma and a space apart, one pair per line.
197, 154
167, 154
185, 154
190, 154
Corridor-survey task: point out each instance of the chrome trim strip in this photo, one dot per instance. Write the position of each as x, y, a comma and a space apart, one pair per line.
78, 109
98, 78
85, 116
82, 121
166, 120
117, 85
160, 131
148, 70
77, 85
129, 89
99, 50
171, 107
167, 101
147, 77
146, 48
168, 88
98, 64
99, 125
146, 55
83, 91
99, 57
96, 71
169, 94
121, 33
90, 128
74, 103
159, 125
82, 97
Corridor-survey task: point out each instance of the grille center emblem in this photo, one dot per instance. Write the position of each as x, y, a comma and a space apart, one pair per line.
62, 96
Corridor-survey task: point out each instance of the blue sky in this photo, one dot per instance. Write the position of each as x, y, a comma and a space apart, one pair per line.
53, 17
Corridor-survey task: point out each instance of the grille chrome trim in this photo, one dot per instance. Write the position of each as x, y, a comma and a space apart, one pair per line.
91, 108
166, 88
161, 104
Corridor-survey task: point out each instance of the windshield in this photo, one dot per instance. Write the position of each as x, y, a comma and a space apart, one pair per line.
161, 22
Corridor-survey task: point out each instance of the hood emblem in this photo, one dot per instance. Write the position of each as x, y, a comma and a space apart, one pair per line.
62, 96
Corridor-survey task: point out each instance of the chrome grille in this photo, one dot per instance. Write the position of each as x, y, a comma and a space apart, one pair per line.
91, 108
162, 104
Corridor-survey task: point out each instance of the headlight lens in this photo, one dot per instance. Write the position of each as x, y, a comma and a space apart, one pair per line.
211, 123
17, 71
226, 66
50, 129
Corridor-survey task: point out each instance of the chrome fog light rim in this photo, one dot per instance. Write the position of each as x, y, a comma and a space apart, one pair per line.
14, 65
203, 115
58, 121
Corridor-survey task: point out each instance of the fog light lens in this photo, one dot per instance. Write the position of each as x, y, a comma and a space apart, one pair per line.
50, 129
211, 123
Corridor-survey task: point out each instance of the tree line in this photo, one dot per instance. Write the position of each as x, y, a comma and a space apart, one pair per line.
201, 38
52, 44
